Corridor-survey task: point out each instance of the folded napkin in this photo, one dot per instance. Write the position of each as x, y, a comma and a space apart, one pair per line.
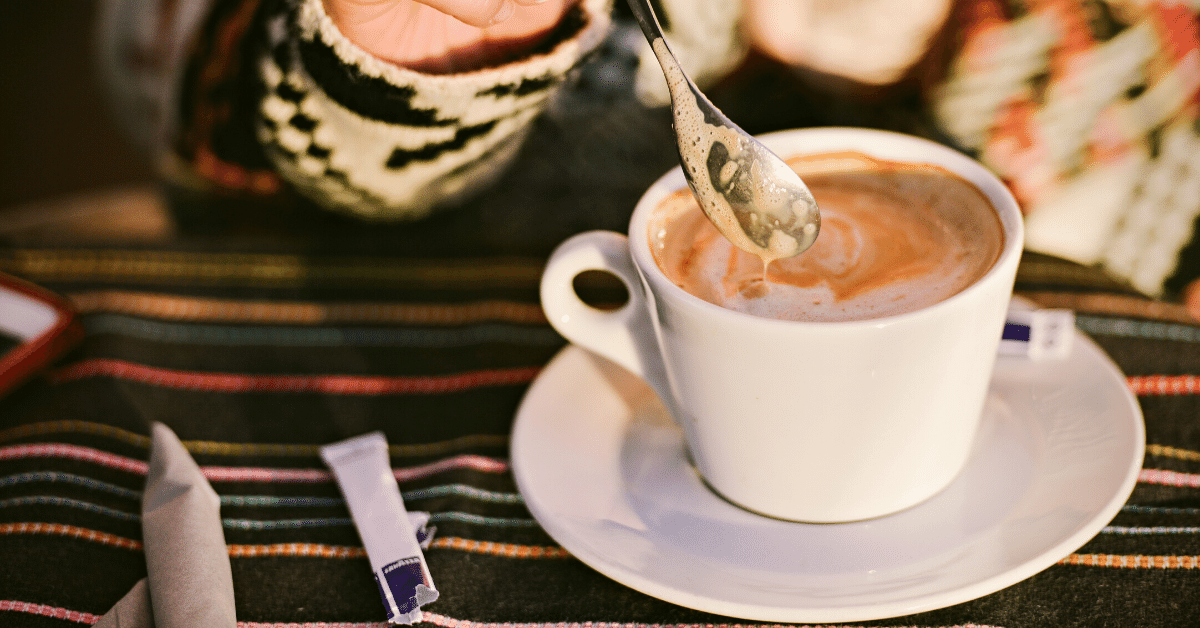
189, 582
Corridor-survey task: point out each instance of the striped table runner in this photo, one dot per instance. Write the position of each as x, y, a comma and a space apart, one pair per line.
255, 359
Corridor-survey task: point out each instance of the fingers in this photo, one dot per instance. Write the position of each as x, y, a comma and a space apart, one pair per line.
1191, 298
418, 35
479, 13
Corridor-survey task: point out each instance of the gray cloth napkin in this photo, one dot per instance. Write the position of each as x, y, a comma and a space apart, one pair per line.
189, 581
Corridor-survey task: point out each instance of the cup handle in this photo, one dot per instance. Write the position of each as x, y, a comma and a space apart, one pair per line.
625, 335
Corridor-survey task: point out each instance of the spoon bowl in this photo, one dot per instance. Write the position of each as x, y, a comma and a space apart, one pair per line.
751, 195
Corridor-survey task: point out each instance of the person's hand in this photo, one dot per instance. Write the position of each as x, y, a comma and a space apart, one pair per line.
445, 36
1191, 298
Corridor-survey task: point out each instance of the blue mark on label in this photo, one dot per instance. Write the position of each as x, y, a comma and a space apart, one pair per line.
402, 578
1015, 331
390, 615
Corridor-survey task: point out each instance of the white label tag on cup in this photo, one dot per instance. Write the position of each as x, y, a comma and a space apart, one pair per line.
1038, 334
393, 543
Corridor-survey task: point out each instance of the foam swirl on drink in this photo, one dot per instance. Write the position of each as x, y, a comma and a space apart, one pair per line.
895, 237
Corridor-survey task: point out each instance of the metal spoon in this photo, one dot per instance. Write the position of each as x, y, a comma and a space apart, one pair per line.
751, 195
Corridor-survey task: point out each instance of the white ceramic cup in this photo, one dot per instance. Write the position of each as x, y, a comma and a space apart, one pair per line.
806, 421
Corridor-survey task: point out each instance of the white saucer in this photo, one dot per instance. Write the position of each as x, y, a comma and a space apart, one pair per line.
604, 471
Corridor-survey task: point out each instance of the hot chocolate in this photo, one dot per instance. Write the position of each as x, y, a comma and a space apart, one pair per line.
895, 237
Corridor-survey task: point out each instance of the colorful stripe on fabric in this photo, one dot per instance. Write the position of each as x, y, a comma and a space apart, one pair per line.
214, 448
1112, 304
45, 428
302, 450
259, 501
74, 452
243, 449
1169, 478
403, 474
30, 477
302, 550
1149, 530
76, 532
259, 525
265, 270
1132, 561
455, 516
1159, 510
507, 550
225, 335
373, 385
463, 517
1164, 385
1126, 328
430, 492
200, 309
369, 385
272, 501
437, 517
1166, 451
67, 502
511, 550
463, 490
297, 550
443, 490
319, 550
56, 612
244, 474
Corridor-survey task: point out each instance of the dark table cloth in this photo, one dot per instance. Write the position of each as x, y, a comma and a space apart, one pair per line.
257, 336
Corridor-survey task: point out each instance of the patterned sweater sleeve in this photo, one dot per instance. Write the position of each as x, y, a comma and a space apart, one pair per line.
269, 99
1089, 111
360, 135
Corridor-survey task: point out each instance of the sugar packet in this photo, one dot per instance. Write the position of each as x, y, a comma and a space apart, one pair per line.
1037, 334
364, 474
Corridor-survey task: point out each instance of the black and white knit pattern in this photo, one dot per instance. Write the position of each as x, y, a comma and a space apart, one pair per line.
369, 138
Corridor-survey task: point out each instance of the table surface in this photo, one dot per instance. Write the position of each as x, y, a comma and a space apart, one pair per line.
258, 336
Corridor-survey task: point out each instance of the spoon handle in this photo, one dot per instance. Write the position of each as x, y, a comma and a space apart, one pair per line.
648, 20
644, 14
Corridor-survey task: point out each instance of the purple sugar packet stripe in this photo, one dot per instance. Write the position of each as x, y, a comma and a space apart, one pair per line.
1016, 331
402, 578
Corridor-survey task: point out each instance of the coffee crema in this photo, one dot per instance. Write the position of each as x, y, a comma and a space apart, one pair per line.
895, 237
